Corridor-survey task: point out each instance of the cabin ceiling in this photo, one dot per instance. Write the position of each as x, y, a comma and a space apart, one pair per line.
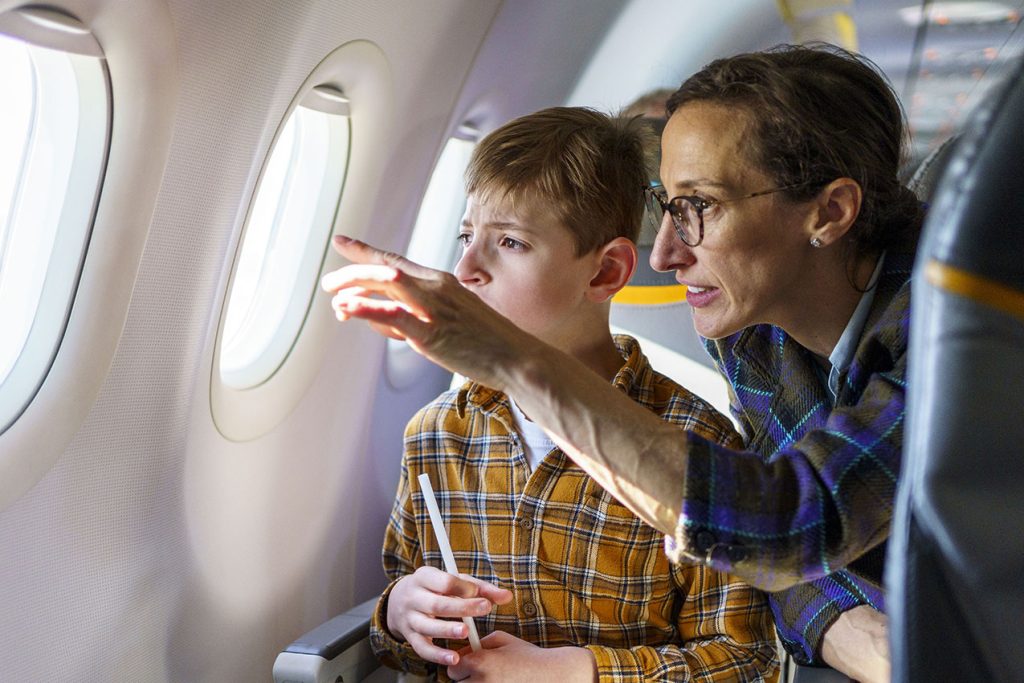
941, 67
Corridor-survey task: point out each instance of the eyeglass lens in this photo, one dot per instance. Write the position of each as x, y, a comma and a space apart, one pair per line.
685, 217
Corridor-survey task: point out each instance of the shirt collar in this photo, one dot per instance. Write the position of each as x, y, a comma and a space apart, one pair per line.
627, 379
842, 354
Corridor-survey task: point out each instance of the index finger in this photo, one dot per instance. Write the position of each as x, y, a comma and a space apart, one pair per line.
357, 251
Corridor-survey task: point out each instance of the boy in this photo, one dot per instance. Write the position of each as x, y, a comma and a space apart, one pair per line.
554, 206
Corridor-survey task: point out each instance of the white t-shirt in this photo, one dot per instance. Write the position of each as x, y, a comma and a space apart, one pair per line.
536, 443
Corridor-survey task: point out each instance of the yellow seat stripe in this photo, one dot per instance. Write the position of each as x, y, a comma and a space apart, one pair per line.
976, 288
655, 294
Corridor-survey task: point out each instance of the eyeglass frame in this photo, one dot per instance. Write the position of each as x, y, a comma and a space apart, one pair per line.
700, 205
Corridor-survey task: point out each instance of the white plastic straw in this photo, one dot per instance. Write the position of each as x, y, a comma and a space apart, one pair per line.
446, 549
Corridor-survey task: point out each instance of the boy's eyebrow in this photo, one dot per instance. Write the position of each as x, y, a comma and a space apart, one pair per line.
497, 224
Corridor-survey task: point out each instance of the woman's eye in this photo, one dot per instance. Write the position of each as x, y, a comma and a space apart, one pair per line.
512, 243
708, 205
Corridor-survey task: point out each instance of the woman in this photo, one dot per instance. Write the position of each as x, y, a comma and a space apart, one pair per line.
784, 217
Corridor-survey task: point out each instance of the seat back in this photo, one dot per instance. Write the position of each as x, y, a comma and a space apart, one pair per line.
956, 597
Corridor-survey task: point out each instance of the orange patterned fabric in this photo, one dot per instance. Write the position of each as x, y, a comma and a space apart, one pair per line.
583, 569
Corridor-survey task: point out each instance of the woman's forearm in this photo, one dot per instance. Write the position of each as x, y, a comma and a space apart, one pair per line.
638, 458
630, 451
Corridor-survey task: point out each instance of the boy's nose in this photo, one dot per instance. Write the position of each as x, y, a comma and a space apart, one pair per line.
467, 270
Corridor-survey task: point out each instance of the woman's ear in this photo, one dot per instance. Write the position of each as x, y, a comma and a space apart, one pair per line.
838, 208
617, 261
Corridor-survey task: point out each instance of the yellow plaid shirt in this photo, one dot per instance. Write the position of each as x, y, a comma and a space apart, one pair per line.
583, 569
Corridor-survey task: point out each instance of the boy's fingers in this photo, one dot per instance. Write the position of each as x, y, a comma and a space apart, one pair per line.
496, 639
430, 652
436, 628
495, 594
444, 583
445, 606
462, 670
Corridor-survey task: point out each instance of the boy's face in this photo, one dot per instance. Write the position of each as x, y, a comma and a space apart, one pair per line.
522, 262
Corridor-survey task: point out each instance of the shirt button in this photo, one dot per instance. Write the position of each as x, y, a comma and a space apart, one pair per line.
529, 609
704, 540
526, 523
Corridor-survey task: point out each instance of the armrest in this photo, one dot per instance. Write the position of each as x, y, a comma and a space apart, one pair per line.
337, 651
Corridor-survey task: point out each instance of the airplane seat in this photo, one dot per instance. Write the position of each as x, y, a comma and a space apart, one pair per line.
926, 176
922, 181
956, 557
337, 651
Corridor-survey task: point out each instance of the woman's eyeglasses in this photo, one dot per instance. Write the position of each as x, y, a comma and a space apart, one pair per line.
687, 211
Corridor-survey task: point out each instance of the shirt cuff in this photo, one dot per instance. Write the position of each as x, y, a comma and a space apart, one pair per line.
388, 649
694, 541
611, 666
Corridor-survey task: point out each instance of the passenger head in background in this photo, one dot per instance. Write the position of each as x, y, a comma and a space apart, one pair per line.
652, 109
553, 211
650, 105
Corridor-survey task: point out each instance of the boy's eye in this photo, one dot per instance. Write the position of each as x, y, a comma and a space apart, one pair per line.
464, 239
511, 243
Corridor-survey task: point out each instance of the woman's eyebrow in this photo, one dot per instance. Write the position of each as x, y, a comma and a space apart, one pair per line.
700, 182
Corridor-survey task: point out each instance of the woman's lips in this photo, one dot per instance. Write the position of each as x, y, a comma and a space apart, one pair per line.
698, 297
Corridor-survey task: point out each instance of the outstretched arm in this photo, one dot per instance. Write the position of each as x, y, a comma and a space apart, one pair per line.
631, 452
798, 517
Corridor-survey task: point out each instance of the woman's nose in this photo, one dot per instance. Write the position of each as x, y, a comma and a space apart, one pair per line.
669, 252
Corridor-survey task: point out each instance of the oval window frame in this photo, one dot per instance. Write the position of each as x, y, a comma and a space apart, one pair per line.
138, 48
360, 70
403, 366
61, 34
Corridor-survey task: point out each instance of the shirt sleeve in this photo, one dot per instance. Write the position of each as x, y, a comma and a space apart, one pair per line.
726, 634
805, 612
401, 556
820, 503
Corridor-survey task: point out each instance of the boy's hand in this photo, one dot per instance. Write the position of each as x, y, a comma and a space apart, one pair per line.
508, 659
418, 600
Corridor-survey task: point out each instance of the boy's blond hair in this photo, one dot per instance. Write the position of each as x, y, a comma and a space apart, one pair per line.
587, 166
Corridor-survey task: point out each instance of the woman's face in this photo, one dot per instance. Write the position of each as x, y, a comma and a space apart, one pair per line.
753, 265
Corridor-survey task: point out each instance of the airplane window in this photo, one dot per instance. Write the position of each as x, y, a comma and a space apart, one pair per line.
285, 239
433, 242
53, 142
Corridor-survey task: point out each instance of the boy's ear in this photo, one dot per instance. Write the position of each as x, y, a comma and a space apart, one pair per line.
617, 261
838, 207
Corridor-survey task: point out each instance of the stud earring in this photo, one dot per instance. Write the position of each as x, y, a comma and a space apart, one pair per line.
816, 243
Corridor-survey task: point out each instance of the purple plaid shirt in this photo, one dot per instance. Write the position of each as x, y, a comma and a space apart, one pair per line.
826, 476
